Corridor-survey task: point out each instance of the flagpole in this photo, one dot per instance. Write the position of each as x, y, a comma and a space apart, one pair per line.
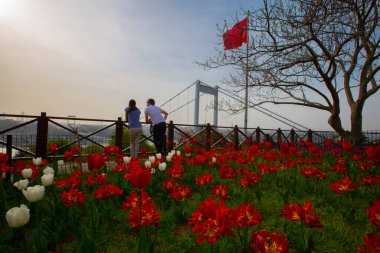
246, 82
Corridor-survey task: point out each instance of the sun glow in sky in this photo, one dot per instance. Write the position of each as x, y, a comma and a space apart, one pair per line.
89, 57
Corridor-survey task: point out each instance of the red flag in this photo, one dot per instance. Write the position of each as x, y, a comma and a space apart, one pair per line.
236, 36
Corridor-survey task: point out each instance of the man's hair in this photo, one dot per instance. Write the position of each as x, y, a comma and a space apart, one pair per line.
151, 101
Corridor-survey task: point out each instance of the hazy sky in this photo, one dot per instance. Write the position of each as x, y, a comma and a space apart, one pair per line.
89, 57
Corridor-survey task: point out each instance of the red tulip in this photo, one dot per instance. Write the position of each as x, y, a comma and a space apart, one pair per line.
313, 173
180, 193
203, 179
108, 191
301, 212
176, 171
68, 155
139, 178
244, 216
133, 200
339, 168
96, 161
210, 221
220, 191
264, 241
372, 244
188, 150
3, 158
96, 179
347, 146
73, 196
170, 185
149, 216
75, 149
374, 214
343, 186
370, 180
143, 151
226, 172
53, 147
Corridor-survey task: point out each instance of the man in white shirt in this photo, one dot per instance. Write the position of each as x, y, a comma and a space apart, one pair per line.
156, 116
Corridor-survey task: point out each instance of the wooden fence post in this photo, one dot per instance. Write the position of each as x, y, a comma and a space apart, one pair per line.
119, 134
42, 136
258, 134
9, 149
171, 135
310, 136
208, 136
236, 137
9, 153
292, 135
279, 132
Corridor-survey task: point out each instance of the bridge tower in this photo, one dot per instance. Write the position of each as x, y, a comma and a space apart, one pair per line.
199, 87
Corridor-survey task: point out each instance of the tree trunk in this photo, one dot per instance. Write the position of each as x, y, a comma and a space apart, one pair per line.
356, 124
336, 124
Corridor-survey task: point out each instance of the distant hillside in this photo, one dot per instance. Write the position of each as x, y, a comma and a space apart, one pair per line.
31, 129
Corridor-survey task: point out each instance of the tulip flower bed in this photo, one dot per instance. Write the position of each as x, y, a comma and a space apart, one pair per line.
256, 199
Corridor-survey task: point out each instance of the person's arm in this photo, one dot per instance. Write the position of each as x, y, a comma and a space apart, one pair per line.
165, 114
126, 116
146, 118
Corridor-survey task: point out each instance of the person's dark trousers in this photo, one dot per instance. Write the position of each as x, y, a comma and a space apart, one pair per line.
159, 131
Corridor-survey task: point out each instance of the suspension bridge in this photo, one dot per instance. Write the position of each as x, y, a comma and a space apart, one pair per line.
184, 107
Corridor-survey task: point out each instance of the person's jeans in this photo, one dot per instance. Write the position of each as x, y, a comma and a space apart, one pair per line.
159, 131
134, 138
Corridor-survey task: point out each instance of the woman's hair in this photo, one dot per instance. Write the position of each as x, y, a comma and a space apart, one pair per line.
131, 106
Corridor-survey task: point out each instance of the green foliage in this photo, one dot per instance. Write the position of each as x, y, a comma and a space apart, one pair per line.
103, 226
87, 244
92, 148
126, 141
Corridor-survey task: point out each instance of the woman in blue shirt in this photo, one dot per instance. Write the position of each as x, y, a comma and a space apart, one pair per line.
132, 116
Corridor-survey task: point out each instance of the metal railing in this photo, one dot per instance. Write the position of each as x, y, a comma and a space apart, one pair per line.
101, 132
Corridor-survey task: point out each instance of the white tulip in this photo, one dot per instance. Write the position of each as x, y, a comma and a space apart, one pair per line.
169, 158
162, 166
60, 162
126, 159
213, 160
152, 159
153, 170
172, 152
48, 170
35, 193
37, 161
47, 179
148, 164
158, 155
22, 184
17, 216
178, 152
27, 173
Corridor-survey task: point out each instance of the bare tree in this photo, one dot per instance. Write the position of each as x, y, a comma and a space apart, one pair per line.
308, 52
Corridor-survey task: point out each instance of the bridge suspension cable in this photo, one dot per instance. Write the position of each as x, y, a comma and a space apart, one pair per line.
263, 110
185, 104
269, 111
228, 93
274, 117
182, 91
